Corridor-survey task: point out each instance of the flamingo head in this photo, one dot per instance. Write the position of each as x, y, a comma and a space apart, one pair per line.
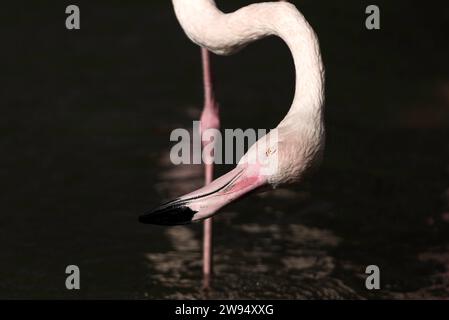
257, 169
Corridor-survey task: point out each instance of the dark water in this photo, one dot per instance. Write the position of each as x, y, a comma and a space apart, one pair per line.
85, 125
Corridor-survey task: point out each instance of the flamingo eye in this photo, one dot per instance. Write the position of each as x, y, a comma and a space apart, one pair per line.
269, 151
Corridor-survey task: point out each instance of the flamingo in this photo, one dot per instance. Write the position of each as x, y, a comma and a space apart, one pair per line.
285, 155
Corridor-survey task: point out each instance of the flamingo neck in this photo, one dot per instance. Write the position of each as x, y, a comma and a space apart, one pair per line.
224, 34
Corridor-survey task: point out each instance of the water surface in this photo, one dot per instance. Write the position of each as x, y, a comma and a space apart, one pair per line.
86, 119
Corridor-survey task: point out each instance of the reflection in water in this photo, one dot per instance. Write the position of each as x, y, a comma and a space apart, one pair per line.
286, 245
264, 249
176, 268
78, 158
251, 260
290, 262
439, 286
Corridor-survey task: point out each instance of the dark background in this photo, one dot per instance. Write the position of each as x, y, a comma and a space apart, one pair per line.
85, 122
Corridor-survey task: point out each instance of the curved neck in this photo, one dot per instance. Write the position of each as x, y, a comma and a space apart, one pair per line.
224, 34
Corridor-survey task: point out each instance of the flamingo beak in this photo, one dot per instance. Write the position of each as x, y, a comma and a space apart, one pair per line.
205, 202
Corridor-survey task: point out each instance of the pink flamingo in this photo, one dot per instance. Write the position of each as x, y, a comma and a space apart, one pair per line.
283, 156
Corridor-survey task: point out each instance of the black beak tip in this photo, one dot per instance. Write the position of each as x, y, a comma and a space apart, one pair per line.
168, 216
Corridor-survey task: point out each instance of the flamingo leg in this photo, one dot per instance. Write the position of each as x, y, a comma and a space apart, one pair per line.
209, 120
207, 237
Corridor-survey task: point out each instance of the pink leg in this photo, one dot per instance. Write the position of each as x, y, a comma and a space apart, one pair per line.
207, 238
209, 120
